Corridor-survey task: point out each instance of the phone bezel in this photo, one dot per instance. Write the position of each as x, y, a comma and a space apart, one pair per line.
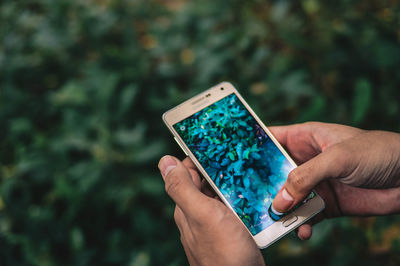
275, 231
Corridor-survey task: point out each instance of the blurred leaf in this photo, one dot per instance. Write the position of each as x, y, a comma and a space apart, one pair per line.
361, 100
128, 97
315, 110
70, 93
83, 85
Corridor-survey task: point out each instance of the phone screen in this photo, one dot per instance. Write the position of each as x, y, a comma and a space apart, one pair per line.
241, 159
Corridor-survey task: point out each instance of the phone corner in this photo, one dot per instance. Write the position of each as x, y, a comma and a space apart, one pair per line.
323, 204
164, 117
322, 201
225, 83
263, 244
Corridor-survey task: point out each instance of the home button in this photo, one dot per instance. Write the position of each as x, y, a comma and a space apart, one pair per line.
290, 220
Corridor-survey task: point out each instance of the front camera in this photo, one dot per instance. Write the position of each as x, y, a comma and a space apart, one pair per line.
222, 89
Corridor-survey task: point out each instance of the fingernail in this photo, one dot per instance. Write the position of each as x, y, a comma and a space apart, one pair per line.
283, 201
275, 211
286, 195
167, 163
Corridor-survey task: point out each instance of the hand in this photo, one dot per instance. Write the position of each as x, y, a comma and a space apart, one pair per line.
345, 155
345, 200
210, 233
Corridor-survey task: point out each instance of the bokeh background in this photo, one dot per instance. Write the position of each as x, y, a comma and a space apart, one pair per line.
83, 85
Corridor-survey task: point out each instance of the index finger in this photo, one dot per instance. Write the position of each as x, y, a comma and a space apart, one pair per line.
280, 133
189, 163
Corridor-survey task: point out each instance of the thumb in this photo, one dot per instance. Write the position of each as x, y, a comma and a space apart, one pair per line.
180, 187
301, 180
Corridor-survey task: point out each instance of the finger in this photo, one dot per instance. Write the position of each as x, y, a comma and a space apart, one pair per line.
180, 187
281, 133
180, 220
298, 140
207, 189
204, 185
305, 231
189, 164
301, 180
195, 178
297, 134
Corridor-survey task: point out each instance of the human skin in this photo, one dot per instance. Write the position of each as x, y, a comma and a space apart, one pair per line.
212, 235
341, 155
210, 232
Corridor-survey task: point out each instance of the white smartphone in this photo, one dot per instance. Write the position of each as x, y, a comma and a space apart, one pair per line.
240, 158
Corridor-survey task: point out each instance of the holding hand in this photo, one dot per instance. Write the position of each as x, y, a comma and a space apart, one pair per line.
356, 172
347, 157
210, 232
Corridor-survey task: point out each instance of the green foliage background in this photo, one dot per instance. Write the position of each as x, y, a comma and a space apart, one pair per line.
83, 85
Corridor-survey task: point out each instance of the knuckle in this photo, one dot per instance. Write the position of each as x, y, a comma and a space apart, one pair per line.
182, 240
311, 127
312, 124
296, 179
177, 216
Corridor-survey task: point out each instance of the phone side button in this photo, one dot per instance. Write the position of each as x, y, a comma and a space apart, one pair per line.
289, 220
181, 146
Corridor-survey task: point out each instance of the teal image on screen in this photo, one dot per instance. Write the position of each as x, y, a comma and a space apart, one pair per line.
241, 159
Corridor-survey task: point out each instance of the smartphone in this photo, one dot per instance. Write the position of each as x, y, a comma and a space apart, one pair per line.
241, 159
